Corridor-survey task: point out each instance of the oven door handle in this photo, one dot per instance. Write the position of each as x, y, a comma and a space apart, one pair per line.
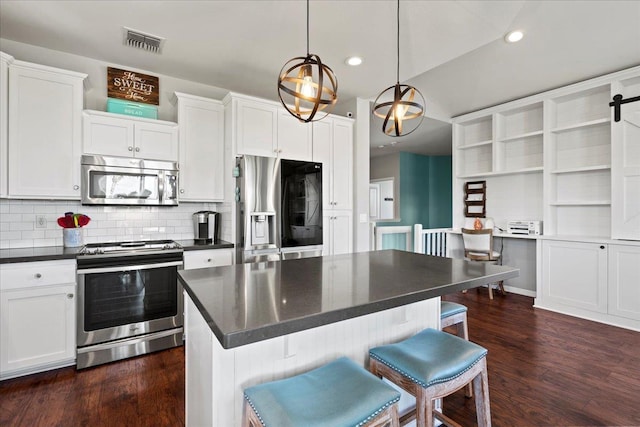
129, 267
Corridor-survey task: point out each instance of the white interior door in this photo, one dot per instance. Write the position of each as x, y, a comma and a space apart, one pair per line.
625, 174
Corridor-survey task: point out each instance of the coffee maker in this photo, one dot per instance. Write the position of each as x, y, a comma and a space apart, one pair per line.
206, 227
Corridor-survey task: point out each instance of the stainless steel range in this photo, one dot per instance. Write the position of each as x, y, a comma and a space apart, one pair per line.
129, 300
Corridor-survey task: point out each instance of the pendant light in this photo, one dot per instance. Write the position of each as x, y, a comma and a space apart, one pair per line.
407, 102
306, 86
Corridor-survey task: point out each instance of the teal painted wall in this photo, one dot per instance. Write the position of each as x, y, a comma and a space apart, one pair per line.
440, 191
425, 195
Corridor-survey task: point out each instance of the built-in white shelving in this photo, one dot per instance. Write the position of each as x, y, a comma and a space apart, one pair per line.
555, 147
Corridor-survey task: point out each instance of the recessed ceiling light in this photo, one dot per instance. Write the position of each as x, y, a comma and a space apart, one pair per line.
514, 36
353, 61
380, 146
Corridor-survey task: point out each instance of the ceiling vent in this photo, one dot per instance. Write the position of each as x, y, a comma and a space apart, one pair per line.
140, 40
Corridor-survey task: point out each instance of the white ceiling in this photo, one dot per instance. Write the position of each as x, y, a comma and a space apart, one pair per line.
452, 51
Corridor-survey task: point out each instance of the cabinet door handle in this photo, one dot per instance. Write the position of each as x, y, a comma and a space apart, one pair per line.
208, 259
38, 276
75, 187
130, 148
601, 246
70, 296
137, 149
182, 191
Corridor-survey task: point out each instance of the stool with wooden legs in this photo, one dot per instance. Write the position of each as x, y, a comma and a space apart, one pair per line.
431, 365
454, 314
340, 393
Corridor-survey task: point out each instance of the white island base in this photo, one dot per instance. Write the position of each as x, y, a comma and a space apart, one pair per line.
216, 377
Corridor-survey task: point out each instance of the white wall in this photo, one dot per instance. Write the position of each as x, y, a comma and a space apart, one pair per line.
388, 167
95, 96
361, 176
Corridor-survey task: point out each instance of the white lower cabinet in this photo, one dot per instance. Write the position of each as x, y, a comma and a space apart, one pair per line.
594, 280
207, 258
337, 232
38, 312
575, 274
624, 281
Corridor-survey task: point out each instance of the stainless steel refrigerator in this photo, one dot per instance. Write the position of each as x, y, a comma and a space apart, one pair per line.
279, 209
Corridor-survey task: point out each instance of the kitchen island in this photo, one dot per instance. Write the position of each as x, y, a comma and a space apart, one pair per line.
250, 323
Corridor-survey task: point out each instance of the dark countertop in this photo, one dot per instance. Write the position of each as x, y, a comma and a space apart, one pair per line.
192, 245
45, 253
52, 253
246, 303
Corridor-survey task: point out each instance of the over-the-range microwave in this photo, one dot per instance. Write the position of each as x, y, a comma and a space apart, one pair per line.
128, 181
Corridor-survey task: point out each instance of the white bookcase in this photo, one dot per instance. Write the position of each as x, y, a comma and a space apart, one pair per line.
555, 153
579, 163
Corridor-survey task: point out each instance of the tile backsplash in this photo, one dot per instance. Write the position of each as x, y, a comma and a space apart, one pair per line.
18, 227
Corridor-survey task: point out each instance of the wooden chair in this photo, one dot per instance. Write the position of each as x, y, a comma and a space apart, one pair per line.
478, 246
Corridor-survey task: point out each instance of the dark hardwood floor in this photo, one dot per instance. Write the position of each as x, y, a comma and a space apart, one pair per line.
545, 369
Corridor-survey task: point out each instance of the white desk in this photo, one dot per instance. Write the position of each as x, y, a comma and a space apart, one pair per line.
518, 250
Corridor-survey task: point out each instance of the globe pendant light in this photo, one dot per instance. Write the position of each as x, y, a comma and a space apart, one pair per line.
306, 86
407, 102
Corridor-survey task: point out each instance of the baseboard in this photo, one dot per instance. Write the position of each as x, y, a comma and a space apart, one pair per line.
35, 369
606, 319
520, 291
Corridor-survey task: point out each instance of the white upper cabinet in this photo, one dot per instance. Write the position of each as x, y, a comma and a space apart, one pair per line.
45, 131
333, 146
110, 134
5, 60
202, 154
256, 128
264, 128
294, 137
625, 165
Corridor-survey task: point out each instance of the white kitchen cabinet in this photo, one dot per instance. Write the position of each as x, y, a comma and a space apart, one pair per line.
574, 274
256, 128
333, 146
294, 137
264, 128
5, 60
110, 134
207, 258
624, 281
337, 232
202, 154
38, 312
45, 131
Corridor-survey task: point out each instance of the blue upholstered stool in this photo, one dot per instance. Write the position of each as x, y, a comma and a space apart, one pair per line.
453, 314
340, 393
431, 365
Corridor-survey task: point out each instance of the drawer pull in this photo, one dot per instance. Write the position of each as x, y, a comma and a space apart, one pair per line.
70, 296
208, 259
38, 276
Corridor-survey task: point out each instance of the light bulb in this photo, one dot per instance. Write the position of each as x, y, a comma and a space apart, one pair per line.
307, 88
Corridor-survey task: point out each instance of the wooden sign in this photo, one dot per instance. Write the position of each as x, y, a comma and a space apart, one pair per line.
132, 86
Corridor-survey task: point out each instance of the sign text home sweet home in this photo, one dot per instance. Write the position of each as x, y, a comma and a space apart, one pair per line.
132, 86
